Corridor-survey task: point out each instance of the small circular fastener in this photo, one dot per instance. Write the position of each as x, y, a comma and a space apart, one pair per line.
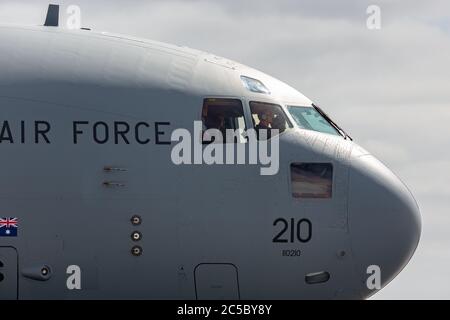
136, 236
136, 251
45, 271
136, 220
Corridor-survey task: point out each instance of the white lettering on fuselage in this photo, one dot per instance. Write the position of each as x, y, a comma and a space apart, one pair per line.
262, 151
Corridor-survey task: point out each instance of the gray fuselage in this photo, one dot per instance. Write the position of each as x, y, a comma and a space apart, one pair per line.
86, 122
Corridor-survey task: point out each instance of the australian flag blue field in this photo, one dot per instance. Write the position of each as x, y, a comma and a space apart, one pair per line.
8, 227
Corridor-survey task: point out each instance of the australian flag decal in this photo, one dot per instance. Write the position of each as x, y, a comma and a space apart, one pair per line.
8, 227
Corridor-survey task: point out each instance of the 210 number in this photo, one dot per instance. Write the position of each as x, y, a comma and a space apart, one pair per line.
300, 231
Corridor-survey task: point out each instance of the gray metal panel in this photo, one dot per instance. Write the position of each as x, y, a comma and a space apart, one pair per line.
216, 281
8, 273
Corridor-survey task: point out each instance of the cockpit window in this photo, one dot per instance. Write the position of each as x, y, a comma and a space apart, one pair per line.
312, 180
311, 118
268, 116
222, 115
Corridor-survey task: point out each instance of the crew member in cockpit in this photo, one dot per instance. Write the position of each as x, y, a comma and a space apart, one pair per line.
216, 121
265, 123
279, 123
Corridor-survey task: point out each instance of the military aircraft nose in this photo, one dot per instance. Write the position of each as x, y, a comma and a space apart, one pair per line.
384, 220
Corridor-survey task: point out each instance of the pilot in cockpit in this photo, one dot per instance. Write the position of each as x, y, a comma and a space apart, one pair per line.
265, 123
215, 121
279, 123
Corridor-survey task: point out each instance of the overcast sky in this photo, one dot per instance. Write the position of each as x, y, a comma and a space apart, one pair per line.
389, 88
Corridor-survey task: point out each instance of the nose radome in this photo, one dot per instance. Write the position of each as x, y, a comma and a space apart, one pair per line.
384, 220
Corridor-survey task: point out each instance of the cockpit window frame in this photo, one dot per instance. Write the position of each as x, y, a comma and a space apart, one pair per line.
282, 107
332, 124
244, 110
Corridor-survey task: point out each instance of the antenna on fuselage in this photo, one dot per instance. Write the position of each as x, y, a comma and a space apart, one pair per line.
52, 19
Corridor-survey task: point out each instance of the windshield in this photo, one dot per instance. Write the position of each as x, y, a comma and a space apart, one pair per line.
312, 118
